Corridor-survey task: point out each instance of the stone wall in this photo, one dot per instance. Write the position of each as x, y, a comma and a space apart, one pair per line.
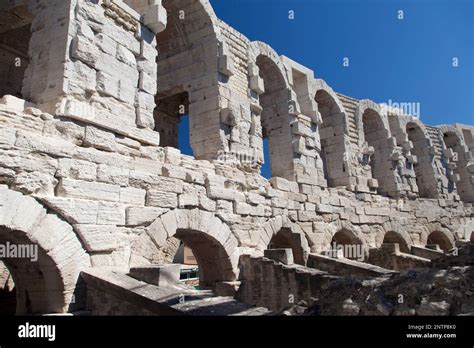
85, 149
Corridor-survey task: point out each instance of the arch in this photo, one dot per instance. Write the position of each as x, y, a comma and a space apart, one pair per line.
213, 244
287, 238
45, 285
402, 239
443, 239
350, 243
332, 134
368, 106
275, 101
345, 237
425, 175
187, 76
375, 140
459, 158
287, 235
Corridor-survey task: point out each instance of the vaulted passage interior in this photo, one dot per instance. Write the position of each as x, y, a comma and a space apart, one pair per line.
459, 161
15, 23
38, 284
332, 139
375, 136
285, 239
425, 178
438, 238
213, 262
275, 118
351, 244
393, 237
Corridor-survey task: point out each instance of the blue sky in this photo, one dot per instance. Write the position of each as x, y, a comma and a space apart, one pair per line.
409, 60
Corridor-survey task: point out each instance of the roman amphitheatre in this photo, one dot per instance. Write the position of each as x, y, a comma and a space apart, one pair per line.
92, 93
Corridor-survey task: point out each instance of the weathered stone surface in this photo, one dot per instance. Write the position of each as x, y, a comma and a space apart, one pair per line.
96, 144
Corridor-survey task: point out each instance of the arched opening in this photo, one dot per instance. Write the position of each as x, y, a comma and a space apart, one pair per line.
395, 238
285, 239
472, 237
459, 173
332, 139
275, 118
15, 35
439, 239
375, 135
211, 258
425, 179
39, 286
7, 291
187, 66
172, 121
348, 244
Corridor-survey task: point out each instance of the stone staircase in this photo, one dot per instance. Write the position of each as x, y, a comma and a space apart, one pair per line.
350, 105
112, 292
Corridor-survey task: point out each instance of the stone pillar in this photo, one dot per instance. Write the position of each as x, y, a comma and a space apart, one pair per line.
95, 61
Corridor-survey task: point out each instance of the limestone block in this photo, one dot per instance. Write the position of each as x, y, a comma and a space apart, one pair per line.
155, 18
161, 199
253, 69
324, 208
284, 256
127, 91
145, 118
110, 214
148, 51
373, 183
280, 184
35, 183
97, 238
206, 203
189, 199
113, 175
177, 172
131, 195
243, 208
79, 78
100, 139
147, 83
125, 56
106, 44
257, 85
84, 50
151, 181
75, 211
218, 192
12, 102
107, 84
88, 190
226, 65
143, 215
